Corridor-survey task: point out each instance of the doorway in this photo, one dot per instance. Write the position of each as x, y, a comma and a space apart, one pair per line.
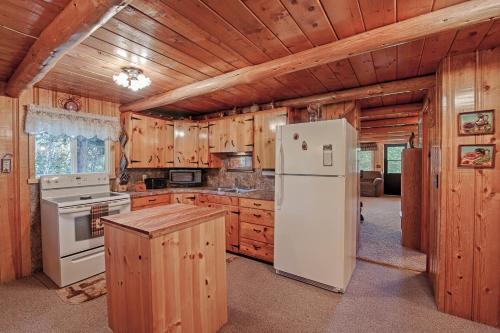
392, 168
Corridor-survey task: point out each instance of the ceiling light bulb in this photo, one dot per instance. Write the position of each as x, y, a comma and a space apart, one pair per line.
132, 78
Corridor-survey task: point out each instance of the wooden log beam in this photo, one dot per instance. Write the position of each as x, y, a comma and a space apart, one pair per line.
2, 88
389, 130
392, 111
78, 20
449, 18
389, 122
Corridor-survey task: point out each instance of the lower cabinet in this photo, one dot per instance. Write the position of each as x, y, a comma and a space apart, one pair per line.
249, 222
151, 201
257, 229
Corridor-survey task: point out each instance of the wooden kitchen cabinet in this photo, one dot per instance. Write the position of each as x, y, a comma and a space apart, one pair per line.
231, 134
151, 201
205, 158
256, 229
265, 124
164, 143
185, 198
185, 144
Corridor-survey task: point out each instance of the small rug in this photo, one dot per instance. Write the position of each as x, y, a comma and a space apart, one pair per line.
84, 291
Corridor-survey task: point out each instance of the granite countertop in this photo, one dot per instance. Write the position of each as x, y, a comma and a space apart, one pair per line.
258, 194
163, 220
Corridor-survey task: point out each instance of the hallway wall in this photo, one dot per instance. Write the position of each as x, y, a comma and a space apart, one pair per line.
465, 257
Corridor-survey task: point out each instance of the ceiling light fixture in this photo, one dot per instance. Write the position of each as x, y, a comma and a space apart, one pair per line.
132, 78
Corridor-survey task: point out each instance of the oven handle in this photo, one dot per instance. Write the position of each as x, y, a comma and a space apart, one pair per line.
82, 209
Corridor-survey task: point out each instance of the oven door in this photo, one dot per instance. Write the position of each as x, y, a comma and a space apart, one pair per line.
75, 227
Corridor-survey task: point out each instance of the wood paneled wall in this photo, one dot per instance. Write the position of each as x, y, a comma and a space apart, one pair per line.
349, 110
15, 215
464, 246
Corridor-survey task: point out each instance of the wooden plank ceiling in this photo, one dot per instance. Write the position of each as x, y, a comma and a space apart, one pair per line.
177, 42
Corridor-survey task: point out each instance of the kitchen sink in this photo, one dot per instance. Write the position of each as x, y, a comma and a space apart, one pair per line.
231, 189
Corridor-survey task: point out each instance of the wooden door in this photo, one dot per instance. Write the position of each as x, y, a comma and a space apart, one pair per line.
165, 144
218, 135
244, 133
265, 124
185, 144
141, 143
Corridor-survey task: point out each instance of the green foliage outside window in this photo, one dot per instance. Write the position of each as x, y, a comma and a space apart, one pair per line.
365, 160
58, 155
394, 159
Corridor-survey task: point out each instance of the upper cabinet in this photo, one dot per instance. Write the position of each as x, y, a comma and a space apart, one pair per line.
150, 141
186, 144
157, 143
265, 124
231, 134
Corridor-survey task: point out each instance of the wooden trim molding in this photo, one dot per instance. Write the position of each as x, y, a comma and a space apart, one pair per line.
449, 18
78, 20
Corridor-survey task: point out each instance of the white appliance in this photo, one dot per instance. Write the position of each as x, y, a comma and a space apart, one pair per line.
70, 253
316, 206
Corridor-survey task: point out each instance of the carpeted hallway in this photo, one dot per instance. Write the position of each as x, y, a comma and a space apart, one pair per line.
379, 299
380, 235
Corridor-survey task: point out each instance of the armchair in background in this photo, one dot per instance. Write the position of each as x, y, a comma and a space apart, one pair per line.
371, 184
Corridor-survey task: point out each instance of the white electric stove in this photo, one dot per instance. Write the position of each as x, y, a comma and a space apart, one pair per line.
70, 253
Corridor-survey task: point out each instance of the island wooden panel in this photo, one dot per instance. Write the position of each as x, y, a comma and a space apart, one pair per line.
175, 282
465, 258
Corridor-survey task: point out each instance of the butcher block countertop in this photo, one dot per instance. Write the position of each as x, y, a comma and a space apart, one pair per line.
258, 194
163, 220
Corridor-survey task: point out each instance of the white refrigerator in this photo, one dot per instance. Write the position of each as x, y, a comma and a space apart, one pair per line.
316, 205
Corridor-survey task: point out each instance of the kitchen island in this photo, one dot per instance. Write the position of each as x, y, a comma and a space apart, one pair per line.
166, 269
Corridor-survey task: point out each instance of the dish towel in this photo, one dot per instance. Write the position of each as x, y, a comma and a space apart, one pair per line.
96, 212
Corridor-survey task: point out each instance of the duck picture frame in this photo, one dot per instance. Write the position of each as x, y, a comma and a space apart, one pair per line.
476, 123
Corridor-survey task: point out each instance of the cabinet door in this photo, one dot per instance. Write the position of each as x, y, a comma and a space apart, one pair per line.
232, 229
244, 133
176, 198
217, 135
165, 144
205, 158
141, 143
185, 144
265, 124
190, 198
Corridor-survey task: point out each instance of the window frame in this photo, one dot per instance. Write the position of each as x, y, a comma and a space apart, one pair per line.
372, 159
386, 161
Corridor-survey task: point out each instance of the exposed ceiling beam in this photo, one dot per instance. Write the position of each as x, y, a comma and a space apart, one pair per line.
374, 90
453, 17
391, 111
2, 88
389, 130
389, 122
78, 20
390, 116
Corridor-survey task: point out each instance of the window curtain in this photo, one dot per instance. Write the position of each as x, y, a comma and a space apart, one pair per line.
368, 146
60, 121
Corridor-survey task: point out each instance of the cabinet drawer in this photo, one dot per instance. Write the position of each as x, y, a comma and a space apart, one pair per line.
218, 199
257, 232
254, 203
257, 216
257, 249
150, 201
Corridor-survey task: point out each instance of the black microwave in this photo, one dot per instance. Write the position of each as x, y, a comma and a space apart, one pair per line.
184, 177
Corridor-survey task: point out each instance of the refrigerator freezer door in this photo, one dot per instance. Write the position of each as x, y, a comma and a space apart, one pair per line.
317, 148
309, 228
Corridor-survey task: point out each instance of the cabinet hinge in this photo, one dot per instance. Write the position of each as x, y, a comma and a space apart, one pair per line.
249, 145
135, 161
209, 125
170, 125
249, 119
211, 146
236, 213
170, 162
135, 118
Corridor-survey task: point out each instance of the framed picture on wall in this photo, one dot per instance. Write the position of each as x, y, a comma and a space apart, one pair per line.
476, 156
476, 122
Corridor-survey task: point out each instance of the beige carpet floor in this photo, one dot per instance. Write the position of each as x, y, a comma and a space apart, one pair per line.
379, 299
380, 235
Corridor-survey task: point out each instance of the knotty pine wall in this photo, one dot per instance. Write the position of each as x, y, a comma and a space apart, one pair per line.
464, 245
20, 245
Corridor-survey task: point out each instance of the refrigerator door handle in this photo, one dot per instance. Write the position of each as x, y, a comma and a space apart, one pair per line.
280, 193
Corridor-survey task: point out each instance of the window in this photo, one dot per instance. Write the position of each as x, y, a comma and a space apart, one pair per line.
393, 158
365, 160
57, 155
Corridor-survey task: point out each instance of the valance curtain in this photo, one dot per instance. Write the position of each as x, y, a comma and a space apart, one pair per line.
59, 121
368, 146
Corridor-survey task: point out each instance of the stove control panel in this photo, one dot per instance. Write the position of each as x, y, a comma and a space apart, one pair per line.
74, 180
